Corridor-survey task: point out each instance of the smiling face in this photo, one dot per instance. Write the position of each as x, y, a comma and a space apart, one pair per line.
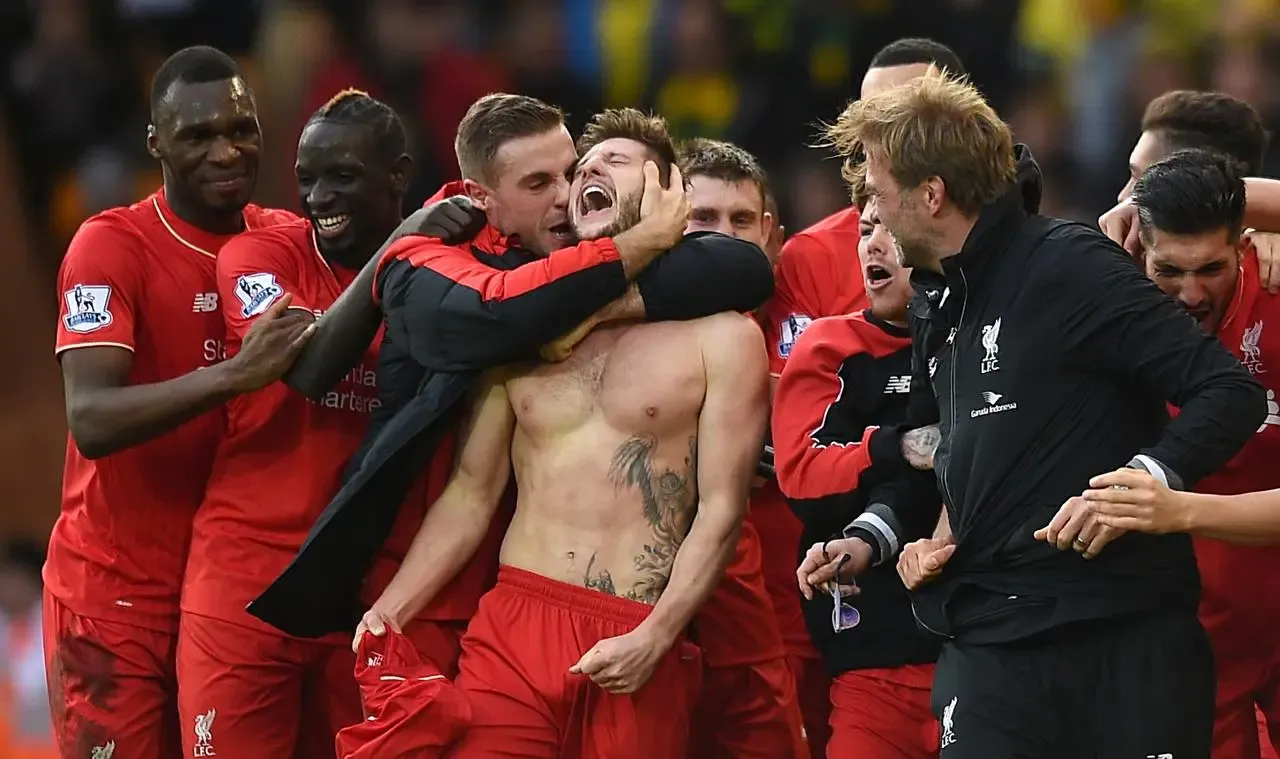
888, 283
347, 189
608, 184
207, 137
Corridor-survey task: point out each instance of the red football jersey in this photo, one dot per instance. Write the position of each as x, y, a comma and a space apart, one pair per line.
141, 279
283, 455
1240, 603
818, 274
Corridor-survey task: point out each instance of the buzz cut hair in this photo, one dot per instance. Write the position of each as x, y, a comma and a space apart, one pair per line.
631, 124
1191, 192
352, 106
724, 161
493, 121
917, 50
191, 65
1210, 121
933, 126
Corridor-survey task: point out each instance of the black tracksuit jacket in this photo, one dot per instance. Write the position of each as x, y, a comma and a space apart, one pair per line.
1047, 357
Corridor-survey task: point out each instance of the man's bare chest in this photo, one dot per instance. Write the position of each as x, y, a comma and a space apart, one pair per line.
646, 377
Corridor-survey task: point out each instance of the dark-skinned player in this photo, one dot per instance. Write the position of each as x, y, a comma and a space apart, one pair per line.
140, 340
283, 455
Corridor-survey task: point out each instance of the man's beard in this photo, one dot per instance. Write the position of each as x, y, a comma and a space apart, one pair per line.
627, 216
910, 253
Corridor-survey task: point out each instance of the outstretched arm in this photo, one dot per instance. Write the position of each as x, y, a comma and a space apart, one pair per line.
1128, 499
730, 433
456, 523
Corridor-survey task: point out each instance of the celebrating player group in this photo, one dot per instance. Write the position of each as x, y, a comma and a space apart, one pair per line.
585, 459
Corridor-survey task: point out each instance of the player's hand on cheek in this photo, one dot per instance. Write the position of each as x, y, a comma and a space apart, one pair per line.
922, 560
374, 623
622, 664
1267, 249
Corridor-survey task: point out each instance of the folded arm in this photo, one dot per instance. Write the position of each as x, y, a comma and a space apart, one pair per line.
730, 433
457, 522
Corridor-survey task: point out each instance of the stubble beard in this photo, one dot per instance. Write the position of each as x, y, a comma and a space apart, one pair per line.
628, 216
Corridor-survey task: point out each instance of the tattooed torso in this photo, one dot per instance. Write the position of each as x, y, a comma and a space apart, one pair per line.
605, 456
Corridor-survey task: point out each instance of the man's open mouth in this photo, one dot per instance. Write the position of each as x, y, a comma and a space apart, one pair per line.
594, 198
877, 273
332, 224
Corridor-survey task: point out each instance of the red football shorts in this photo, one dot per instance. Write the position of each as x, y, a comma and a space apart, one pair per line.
247, 694
438, 643
748, 711
813, 691
112, 688
1248, 708
883, 714
514, 669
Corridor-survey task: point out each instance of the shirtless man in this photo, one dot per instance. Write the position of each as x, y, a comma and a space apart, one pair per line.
633, 461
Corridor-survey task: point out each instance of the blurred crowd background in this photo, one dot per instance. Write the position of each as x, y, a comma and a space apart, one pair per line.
1070, 76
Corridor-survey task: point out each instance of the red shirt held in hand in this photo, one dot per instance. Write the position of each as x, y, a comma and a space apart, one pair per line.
283, 455
141, 279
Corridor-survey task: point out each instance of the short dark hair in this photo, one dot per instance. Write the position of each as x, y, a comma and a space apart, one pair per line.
351, 106
628, 123
912, 50
1209, 121
1191, 192
191, 65
724, 161
493, 121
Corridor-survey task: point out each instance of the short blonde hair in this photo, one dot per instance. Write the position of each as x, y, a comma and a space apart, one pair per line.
933, 126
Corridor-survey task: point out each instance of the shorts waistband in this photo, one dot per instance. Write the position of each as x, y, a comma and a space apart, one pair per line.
572, 597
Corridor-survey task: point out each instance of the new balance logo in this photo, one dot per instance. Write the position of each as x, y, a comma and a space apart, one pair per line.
205, 303
900, 383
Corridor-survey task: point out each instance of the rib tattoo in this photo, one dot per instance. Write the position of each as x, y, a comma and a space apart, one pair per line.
667, 500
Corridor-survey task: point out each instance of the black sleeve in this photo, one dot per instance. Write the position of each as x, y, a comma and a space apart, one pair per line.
1116, 320
899, 510
704, 274
342, 336
459, 314
885, 445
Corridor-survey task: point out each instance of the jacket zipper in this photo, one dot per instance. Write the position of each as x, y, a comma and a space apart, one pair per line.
955, 354
927, 628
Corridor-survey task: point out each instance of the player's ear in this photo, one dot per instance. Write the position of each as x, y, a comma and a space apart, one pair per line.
935, 193
478, 193
400, 174
153, 141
